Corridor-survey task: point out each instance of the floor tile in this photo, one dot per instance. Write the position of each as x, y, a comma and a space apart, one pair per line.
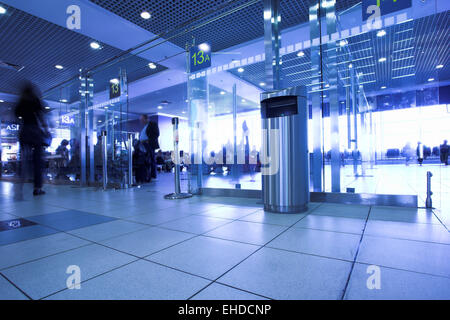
274, 218
195, 224
9, 292
144, 242
220, 292
26, 233
107, 230
322, 243
45, 276
342, 210
70, 219
287, 275
330, 223
397, 284
204, 256
156, 218
248, 232
425, 257
229, 212
411, 231
29, 250
141, 280
6, 216
403, 215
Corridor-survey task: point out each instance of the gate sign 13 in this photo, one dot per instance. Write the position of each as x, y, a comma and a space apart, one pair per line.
114, 90
200, 57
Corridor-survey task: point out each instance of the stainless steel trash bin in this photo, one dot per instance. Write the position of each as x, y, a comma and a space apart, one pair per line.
284, 152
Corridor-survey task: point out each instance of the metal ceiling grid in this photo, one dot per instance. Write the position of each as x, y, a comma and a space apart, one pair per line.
39, 45
235, 28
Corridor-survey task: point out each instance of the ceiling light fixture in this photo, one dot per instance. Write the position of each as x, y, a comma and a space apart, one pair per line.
431, 79
382, 59
1, 101
145, 15
439, 66
240, 70
383, 87
204, 47
160, 107
381, 33
95, 45
63, 100
262, 84
2, 10
300, 54
114, 81
222, 92
151, 65
59, 67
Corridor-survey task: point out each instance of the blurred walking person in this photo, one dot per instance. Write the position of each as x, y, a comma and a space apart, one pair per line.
420, 153
33, 135
443, 152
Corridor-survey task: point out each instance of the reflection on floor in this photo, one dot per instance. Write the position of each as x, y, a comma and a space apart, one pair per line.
133, 244
381, 179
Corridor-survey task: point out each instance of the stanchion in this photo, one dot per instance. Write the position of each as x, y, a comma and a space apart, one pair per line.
428, 202
130, 160
177, 194
104, 160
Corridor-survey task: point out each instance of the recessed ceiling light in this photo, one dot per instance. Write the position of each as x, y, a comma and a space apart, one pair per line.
183, 112
2, 10
204, 47
99, 121
59, 67
383, 87
350, 65
1, 101
243, 101
222, 92
95, 45
145, 15
47, 107
343, 43
114, 81
262, 84
151, 65
381, 33
240, 70
160, 107
439, 66
431, 79
300, 54
63, 100
382, 59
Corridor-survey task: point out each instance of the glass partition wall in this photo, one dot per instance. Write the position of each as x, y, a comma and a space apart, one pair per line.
373, 86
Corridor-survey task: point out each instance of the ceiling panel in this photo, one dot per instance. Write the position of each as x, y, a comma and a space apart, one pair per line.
39, 45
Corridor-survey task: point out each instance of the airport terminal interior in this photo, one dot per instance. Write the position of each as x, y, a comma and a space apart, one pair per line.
302, 150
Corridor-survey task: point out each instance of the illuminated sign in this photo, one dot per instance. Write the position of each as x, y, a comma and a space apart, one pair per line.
67, 120
200, 57
385, 6
114, 90
12, 127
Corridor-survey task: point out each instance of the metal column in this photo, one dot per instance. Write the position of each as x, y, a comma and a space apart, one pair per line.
316, 97
329, 66
272, 43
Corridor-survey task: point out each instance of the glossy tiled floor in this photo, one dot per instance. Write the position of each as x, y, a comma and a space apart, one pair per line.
133, 244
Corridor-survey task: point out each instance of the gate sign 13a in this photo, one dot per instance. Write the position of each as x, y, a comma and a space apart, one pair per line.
200, 57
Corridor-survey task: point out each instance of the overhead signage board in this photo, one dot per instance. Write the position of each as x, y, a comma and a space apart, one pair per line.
114, 90
200, 57
385, 7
